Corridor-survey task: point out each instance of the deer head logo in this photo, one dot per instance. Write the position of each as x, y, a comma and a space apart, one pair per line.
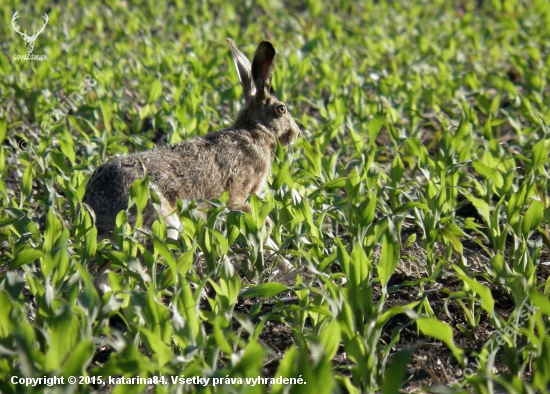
29, 40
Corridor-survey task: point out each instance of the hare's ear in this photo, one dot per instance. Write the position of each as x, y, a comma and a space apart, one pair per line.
243, 70
263, 65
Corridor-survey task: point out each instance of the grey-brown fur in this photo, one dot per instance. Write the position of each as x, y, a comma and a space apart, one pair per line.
237, 159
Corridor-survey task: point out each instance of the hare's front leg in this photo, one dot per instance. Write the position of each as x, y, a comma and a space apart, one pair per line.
283, 265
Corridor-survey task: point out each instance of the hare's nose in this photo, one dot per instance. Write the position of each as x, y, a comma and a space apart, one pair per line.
295, 128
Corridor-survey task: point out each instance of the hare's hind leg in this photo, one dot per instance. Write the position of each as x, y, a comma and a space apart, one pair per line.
172, 222
284, 266
169, 214
101, 281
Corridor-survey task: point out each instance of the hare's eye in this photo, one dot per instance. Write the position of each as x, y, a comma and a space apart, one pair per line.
281, 109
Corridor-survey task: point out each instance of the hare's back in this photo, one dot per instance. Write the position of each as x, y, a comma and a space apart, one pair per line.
200, 168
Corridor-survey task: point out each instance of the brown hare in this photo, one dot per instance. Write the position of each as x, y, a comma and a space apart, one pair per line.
235, 160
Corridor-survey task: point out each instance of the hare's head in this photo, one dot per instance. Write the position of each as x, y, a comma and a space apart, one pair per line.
261, 107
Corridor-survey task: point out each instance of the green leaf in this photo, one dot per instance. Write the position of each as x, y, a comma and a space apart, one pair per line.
541, 367
3, 129
248, 364
287, 368
487, 301
78, 359
394, 377
329, 337
282, 177
58, 160
168, 257
7, 221
264, 290
161, 352
6, 315
540, 301
482, 207
441, 331
107, 113
452, 238
188, 307
25, 256
533, 218
374, 126
219, 337
90, 243
359, 265
368, 210
334, 183
389, 258
67, 146
396, 310
342, 256
63, 333
540, 153
88, 298
52, 231
489, 173
266, 209
140, 192
410, 205
397, 170
26, 182
185, 261
229, 285
155, 92
157, 316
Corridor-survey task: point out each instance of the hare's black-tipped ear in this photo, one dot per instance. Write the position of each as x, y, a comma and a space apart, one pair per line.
263, 65
243, 70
